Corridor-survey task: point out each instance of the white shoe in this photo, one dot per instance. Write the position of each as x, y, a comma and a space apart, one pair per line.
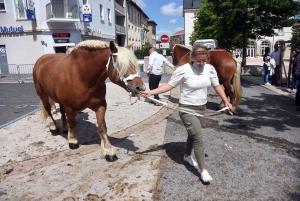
267, 83
190, 160
205, 176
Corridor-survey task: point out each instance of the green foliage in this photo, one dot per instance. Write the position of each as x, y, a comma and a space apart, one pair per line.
295, 37
233, 22
140, 54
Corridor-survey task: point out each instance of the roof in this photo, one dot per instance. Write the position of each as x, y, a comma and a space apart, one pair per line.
137, 7
151, 21
180, 32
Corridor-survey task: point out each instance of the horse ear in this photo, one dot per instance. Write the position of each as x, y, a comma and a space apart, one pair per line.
112, 47
129, 46
172, 44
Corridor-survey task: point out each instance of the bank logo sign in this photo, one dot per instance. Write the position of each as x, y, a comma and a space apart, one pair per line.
11, 29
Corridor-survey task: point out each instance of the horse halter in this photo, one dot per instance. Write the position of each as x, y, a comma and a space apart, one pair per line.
124, 79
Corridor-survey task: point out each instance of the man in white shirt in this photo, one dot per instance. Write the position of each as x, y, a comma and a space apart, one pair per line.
276, 54
155, 69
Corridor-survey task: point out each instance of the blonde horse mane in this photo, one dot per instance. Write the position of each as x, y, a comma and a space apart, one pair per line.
124, 58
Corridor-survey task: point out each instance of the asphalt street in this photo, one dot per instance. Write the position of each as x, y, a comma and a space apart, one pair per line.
253, 155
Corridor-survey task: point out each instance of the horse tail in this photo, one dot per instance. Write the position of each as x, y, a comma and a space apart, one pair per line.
237, 88
44, 113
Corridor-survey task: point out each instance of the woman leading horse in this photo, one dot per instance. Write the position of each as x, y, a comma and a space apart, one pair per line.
227, 69
77, 81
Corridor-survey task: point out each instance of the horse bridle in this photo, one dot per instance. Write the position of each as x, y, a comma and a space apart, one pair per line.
124, 79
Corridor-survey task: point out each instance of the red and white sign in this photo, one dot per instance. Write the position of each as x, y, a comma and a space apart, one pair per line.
86, 9
164, 38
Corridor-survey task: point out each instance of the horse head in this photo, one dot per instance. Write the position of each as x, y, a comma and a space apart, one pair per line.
175, 61
125, 63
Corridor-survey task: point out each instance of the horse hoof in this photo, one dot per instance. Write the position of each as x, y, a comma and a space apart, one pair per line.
73, 146
54, 132
65, 131
111, 158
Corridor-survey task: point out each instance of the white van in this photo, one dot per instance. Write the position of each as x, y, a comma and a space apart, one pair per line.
209, 43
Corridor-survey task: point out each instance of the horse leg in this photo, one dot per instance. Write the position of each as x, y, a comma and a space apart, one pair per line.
106, 151
46, 112
73, 142
63, 118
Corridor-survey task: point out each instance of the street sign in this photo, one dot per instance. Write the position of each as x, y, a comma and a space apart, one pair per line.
164, 38
164, 45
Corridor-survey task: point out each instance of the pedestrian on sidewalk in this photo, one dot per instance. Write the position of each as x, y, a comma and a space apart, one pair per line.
294, 76
276, 55
297, 73
154, 71
266, 59
194, 78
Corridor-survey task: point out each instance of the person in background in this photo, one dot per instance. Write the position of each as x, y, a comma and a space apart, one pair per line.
294, 77
266, 59
194, 78
297, 74
276, 54
154, 71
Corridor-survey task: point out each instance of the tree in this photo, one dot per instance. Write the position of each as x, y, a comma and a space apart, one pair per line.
233, 22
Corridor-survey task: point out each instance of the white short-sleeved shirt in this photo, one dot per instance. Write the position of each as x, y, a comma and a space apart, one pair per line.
194, 82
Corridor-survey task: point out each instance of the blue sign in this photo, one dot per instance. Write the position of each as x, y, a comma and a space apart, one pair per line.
30, 14
11, 29
142, 34
61, 40
297, 17
87, 17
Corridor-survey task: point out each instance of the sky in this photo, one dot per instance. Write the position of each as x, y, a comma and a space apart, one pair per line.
167, 14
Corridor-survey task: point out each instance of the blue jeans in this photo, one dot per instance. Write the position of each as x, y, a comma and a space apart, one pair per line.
294, 82
267, 73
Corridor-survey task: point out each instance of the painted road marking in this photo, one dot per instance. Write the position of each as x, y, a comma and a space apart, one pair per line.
19, 118
2, 105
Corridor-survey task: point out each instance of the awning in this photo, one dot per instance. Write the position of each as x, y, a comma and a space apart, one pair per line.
63, 44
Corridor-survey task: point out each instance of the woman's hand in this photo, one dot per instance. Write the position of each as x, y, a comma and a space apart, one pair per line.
229, 106
145, 94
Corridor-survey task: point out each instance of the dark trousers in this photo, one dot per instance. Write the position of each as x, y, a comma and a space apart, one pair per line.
154, 83
275, 76
297, 100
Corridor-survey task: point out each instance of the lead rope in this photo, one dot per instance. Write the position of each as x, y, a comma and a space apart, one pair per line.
186, 110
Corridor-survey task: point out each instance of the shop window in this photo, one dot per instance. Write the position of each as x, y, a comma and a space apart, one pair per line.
20, 6
2, 6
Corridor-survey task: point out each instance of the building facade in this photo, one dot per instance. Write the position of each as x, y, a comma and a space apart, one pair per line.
178, 38
151, 34
28, 30
137, 26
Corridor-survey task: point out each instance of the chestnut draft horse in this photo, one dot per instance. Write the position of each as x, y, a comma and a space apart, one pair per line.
227, 69
77, 81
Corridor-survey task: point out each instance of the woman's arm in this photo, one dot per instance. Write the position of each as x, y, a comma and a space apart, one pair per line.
222, 94
163, 88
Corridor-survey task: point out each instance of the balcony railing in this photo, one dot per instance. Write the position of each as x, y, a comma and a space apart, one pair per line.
67, 12
119, 9
120, 29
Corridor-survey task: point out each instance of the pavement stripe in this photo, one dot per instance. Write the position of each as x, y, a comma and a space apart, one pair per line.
17, 119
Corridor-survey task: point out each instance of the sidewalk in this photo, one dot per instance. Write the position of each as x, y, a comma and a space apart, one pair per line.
253, 73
